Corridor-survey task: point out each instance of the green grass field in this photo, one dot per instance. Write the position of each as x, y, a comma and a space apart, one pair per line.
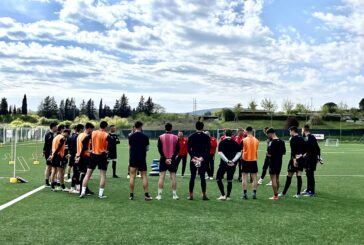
334, 217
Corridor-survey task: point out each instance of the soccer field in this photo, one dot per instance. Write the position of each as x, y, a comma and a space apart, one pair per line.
334, 217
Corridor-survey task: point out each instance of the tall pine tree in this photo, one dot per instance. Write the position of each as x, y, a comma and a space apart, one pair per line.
149, 107
125, 109
48, 108
4, 107
62, 110
101, 110
90, 109
24, 106
83, 110
141, 105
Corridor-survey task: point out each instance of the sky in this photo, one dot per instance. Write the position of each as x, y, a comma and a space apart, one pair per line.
221, 52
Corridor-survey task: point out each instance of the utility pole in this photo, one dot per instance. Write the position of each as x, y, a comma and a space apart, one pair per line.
194, 106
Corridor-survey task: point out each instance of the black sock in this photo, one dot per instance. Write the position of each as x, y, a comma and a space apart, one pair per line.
299, 185
245, 192
221, 187
288, 183
264, 172
146, 194
131, 194
114, 168
47, 181
58, 184
63, 186
53, 184
229, 188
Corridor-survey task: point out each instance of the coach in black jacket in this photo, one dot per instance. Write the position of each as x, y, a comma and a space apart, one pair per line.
312, 156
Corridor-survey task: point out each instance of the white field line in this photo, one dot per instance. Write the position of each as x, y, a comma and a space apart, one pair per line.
18, 199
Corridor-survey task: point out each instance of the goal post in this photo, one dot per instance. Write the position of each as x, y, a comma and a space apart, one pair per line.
332, 142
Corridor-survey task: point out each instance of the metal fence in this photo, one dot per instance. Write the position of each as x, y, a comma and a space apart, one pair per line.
37, 134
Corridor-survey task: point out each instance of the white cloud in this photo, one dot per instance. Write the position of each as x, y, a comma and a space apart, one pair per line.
218, 51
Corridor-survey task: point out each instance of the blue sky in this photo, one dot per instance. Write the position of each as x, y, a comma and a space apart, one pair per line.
220, 52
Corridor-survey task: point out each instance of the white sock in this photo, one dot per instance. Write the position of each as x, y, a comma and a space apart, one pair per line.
174, 193
101, 192
160, 191
77, 187
83, 192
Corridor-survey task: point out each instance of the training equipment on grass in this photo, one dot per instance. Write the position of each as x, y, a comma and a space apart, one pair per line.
19, 163
332, 142
155, 168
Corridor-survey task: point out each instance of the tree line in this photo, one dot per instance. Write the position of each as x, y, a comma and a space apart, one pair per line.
6, 109
68, 110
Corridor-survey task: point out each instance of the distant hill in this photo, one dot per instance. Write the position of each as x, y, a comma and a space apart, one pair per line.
202, 112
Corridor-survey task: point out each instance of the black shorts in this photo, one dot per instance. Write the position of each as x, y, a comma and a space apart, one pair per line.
229, 170
249, 167
112, 155
275, 168
141, 165
83, 164
99, 161
58, 161
48, 163
293, 169
71, 163
172, 168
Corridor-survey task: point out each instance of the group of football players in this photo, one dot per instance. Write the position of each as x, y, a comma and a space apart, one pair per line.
86, 148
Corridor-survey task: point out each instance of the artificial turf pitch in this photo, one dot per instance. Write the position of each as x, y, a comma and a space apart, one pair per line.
335, 216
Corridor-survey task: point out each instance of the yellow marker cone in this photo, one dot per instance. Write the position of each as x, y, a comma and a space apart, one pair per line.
11, 162
13, 180
36, 162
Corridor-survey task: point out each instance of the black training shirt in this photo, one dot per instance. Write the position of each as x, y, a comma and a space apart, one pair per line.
138, 143
229, 148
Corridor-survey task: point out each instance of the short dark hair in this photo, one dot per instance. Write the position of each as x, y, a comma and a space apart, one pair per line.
79, 127
307, 127
112, 126
60, 128
103, 124
200, 125
138, 124
228, 132
67, 131
89, 125
249, 129
270, 131
168, 127
293, 128
52, 125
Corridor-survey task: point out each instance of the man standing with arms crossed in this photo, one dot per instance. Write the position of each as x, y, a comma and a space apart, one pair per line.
139, 146
250, 165
199, 145
99, 141
168, 147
